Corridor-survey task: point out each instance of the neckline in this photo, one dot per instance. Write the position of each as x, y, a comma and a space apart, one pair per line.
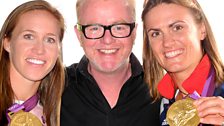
195, 82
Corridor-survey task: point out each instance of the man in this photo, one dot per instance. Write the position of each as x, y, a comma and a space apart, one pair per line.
106, 88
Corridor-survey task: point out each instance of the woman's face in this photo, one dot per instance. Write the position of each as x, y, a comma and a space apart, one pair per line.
34, 46
175, 37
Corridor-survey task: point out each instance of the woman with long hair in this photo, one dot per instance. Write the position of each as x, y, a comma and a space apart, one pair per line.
31, 69
178, 41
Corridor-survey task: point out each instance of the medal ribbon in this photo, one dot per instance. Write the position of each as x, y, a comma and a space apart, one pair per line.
209, 86
208, 89
26, 106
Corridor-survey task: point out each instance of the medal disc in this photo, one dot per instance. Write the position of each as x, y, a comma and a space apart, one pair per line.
183, 113
22, 118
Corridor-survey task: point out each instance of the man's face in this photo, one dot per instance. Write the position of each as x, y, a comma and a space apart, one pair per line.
107, 54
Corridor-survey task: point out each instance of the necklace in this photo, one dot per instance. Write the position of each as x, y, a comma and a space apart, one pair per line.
180, 95
186, 94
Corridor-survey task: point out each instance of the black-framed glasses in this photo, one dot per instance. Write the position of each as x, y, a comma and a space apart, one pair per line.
96, 31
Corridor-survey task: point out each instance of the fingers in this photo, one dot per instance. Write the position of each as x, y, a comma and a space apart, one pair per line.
210, 110
209, 102
212, 119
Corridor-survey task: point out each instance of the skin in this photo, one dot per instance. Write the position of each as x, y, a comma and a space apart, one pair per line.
33, 49
108, 56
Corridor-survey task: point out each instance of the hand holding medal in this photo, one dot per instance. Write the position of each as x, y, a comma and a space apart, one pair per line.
184, 112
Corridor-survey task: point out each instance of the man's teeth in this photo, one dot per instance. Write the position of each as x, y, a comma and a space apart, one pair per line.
173, 53
36, 61
108, 51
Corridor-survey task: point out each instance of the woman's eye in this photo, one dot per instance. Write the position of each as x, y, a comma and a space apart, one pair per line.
177, 28
155, 34
28, 36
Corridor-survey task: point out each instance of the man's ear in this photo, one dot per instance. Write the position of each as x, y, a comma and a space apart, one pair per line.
78, 34
6, 44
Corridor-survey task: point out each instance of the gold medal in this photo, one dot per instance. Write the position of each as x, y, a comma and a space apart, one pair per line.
22, 118
183, 113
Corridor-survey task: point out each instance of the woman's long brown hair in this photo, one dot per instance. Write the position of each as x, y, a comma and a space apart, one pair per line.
51, 86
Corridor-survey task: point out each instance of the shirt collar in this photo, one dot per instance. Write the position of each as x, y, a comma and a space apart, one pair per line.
195, 82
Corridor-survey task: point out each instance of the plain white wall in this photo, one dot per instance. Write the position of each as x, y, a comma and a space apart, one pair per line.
72, 52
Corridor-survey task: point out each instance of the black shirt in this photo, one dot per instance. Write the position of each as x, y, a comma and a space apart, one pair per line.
83, 103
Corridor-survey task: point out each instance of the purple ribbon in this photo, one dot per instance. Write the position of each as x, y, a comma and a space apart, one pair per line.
26, 106
208, 89
209, 86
